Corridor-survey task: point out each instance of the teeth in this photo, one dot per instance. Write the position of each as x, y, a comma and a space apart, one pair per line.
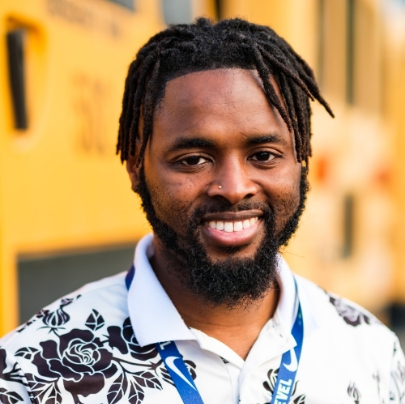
230, 227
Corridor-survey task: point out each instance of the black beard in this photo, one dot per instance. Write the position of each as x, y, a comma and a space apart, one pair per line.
234, 281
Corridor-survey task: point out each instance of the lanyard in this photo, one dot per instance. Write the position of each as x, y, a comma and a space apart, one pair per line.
184, 383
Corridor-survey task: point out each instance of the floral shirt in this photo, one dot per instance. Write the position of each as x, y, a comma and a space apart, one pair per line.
97, 345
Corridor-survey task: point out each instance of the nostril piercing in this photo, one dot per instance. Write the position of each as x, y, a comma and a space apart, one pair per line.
219, 186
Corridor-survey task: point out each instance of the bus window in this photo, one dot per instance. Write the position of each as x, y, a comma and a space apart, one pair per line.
15, 45
44, 279
63, 64
125, 3
177, 11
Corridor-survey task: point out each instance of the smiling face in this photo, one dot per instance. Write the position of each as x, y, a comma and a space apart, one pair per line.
220, 184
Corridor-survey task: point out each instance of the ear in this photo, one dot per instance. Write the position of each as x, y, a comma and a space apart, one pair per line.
133, 170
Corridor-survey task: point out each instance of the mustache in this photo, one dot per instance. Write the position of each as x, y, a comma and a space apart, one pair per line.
225, 206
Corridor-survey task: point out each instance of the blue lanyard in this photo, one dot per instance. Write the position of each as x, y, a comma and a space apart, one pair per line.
289, 362
184, 383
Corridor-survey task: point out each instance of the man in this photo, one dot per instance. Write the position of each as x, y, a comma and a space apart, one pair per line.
215, 132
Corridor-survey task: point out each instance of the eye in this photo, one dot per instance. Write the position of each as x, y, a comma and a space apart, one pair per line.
193, 161
263, 156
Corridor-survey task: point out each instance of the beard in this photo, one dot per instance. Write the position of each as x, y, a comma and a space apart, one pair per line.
233, 281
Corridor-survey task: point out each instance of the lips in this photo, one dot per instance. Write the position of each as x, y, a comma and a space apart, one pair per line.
232, 228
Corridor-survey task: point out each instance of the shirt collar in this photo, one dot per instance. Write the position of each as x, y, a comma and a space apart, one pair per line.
155, 319
153, 315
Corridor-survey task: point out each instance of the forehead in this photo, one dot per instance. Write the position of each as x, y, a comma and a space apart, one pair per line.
196, 87
214, 102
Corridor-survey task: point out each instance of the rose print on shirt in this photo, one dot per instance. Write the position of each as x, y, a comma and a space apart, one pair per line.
78, 358
124, 340
354, 393
398, 378
7, 396
377, 379
81, 363
350, 315
53, 320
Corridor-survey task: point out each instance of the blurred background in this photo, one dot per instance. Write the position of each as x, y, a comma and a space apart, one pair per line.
67, 214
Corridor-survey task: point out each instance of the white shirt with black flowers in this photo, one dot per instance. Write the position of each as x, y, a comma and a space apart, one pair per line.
97, 345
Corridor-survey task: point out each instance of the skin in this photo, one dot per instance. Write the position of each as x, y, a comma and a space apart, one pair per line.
244, 152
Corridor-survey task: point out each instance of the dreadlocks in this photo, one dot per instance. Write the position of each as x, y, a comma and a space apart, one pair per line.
234, 43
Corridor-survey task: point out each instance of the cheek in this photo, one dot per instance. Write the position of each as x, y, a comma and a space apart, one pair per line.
172, 198
285, 199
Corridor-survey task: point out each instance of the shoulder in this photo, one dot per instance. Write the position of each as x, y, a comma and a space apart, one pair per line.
346, 325
343, 317
330, 307
71, 339
95, 304
362, 349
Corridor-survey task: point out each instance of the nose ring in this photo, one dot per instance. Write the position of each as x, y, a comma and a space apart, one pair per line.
219, 186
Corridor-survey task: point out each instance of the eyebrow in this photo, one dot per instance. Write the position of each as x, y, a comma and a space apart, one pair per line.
196, 142
190, 143
272, 138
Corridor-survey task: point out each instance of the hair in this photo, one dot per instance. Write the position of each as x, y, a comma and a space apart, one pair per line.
233, 43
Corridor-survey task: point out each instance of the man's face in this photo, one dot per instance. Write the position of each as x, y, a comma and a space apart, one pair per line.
221, 183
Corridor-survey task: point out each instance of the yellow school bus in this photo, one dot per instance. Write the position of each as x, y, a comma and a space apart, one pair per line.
395, 101
62, 69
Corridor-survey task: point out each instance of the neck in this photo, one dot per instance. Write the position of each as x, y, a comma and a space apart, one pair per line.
237, 327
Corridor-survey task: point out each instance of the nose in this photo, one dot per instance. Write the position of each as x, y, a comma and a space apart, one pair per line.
232, 181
